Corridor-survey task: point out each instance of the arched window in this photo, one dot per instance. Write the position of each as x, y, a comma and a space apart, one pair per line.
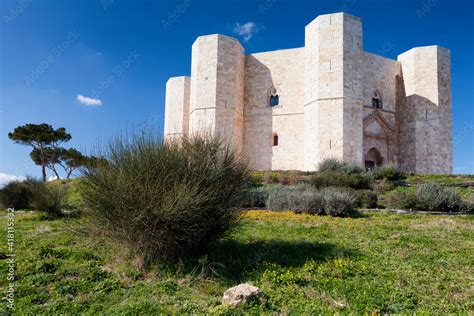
376, 100
275, 140
274, 100
273, 97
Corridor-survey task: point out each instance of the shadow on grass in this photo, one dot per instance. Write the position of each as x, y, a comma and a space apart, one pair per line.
243, 260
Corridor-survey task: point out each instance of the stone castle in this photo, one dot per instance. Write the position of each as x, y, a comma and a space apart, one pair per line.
290, 109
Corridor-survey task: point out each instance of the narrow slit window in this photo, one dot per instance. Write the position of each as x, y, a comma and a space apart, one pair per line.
275, 140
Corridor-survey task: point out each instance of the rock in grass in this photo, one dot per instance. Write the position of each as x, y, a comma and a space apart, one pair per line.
240, 294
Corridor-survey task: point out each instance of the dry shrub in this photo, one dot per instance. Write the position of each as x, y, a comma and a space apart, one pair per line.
166, 199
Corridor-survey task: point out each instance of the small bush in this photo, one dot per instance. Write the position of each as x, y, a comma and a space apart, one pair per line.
433, 197
300, 198
334, 165
166, 199
283, 198
326, 179
365, 198
429, 196
468, 205
338, 203
306, 199
383, 186
405, 200
257, 179
16, 194
50, 199
389, 172
287, 177
35, 195
256, 197
312, 202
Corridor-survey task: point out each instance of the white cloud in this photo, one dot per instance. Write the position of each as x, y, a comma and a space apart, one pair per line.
5, 178
246, 30
88, 101
52, 178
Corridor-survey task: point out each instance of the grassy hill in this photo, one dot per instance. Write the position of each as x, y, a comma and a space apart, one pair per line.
304, 264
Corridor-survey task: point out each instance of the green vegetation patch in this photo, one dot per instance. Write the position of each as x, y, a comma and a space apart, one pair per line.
304, 264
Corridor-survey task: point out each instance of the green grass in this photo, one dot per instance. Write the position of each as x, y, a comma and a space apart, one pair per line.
304, 264
444, 179
464, 183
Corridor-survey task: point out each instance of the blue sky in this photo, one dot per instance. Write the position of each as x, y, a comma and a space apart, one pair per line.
122, 52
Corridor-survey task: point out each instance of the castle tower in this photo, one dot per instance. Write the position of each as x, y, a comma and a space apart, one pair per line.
425, 115
333, 89
177, 107
217, 88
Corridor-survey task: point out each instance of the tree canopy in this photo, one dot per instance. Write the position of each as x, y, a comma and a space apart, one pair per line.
45, 141
39, 135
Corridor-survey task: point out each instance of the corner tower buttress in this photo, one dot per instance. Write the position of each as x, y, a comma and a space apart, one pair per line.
333, 89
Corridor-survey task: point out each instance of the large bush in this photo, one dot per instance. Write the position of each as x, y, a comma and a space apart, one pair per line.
166, 199
17, 194
35, 195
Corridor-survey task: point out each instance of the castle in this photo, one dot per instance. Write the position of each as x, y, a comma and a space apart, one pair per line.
290, 109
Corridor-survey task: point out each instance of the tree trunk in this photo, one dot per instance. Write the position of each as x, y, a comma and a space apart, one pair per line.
56, 173
43, 170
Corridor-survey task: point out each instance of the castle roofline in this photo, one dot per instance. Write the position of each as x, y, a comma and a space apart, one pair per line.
437, 47
218, 37
178, 78
335, 14
380, 57
276, 51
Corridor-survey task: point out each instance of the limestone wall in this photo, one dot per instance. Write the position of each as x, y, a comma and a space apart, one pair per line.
177, 107
333, 89
425, 116
379, 75
203, 84
325, 94
282, 70
217, 87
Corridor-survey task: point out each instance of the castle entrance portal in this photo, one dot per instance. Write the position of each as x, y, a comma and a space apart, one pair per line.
373, 158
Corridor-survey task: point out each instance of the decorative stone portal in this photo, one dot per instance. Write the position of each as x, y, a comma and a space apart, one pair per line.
373, 158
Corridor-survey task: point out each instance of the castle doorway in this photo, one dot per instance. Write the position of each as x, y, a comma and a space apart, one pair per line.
373, 158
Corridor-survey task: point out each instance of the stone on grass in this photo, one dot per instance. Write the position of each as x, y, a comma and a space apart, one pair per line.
240, 294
